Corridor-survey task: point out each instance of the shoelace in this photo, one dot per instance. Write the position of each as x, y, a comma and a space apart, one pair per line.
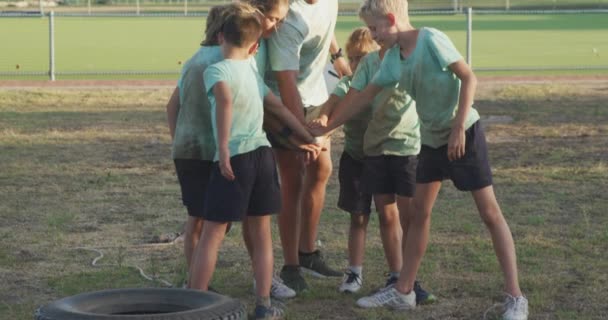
352, 277
511, 300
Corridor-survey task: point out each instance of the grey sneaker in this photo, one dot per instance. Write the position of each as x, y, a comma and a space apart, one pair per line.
516, 308
268, 313
293, 279
278, 289
351, 282
314, 264
390, 298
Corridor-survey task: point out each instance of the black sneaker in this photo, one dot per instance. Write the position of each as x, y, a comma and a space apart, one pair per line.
391, 280
314, 264
272, 312
422, 296
293, 279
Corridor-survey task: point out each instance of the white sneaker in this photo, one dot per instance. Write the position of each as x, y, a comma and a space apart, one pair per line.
390, 298
516, 308
351, 282
278, 289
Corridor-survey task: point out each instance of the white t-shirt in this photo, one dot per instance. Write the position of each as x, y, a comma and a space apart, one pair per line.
302, 44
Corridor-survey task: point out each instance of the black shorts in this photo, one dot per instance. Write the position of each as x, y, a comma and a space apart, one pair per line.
387, 174
469, 173
352, 198
254, 192
193, 176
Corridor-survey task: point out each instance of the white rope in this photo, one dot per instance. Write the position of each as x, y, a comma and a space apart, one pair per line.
141, 271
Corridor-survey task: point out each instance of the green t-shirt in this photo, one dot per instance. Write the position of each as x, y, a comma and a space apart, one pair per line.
425, 74
354, 129
302, 44
248, 92
193, 133
394, 127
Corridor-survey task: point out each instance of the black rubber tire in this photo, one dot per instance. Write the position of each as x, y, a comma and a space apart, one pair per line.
144, 303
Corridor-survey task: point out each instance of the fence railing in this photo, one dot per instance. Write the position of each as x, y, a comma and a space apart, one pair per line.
116, 45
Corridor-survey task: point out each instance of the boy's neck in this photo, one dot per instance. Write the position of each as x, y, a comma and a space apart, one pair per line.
406, 34
233, 52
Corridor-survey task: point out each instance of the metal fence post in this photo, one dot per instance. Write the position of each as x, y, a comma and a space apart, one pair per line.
507, 5
185, 7
455, 5
137, 7
89, 6
469, 36
41, 8
52, 46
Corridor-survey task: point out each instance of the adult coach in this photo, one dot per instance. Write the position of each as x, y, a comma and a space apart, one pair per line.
298, 53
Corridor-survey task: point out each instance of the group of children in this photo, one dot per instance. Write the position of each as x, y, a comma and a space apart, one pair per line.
408, 124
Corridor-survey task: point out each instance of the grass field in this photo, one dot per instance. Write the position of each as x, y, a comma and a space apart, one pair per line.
92, 168
161, 44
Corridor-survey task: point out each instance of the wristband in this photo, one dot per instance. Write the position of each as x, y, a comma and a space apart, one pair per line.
335, 56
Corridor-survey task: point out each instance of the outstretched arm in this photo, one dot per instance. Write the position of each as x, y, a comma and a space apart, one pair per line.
223, 117
353, 103
273, 105
456, 141
287, 81
326, 109
172, 109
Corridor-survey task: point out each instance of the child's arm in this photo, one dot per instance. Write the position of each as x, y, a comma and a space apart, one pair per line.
172, 109
273, 105
326, 110
353, 103
223, 117
456, 142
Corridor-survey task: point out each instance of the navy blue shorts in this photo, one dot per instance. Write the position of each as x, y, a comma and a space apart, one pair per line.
387, 174
469, 173
193, 176
254, 192
352, 198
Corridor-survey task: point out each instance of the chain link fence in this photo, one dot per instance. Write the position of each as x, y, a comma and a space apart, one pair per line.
72, 44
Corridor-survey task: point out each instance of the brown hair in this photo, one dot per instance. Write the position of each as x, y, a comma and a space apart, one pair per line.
242, 26
361, 40
213, 26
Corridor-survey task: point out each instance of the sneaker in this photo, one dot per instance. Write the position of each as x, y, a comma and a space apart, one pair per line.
293, 279
390, 281
390, 298
278, 289
314, 264
516, 308
268, 313
351, 282
422, 296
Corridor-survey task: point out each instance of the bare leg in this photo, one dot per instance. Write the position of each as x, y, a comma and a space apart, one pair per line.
194, 227
417, 234
262, 258
404, 204
291, 170
390, 230
313, 198
356, 238
205, 256
501, 237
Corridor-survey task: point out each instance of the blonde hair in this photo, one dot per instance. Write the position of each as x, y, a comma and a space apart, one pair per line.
380, 8
242, 26
361, 40
266, 5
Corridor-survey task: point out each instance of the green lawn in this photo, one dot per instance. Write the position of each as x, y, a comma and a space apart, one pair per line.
161, 44
92, 168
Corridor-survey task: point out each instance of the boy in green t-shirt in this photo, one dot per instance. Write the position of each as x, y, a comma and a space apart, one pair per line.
244, 182
380, 147
432, 71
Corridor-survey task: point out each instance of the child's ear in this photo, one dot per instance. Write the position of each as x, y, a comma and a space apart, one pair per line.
254, 48
391, 19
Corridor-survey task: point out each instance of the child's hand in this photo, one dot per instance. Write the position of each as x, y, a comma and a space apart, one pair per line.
225, 167
319, 122
311, 152
456, 144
